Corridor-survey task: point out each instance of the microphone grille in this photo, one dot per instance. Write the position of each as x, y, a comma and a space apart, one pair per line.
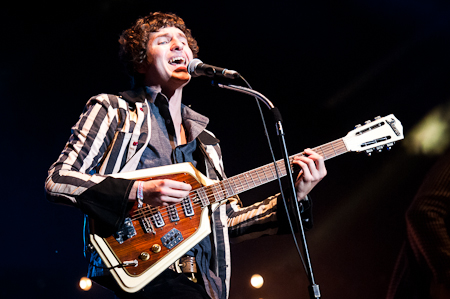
192, 66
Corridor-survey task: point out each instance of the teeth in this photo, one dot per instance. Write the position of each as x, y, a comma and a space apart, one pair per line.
177, 60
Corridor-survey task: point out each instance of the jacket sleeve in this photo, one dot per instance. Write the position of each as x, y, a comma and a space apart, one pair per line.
267, 217
73, 180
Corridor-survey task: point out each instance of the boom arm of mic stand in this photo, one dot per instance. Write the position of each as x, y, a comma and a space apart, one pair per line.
314, 291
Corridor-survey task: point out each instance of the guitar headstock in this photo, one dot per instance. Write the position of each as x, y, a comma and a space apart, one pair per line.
374, 135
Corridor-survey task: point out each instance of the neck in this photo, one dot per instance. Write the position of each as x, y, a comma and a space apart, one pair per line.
174, 105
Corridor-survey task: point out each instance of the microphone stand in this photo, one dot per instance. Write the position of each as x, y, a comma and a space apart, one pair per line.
314, 291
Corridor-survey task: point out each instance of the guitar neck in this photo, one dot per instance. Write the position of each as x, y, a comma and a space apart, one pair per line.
259, 176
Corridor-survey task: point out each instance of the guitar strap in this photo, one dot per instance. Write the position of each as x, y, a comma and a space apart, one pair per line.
205, 136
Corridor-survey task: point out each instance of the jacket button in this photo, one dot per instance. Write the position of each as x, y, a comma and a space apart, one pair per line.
135, 143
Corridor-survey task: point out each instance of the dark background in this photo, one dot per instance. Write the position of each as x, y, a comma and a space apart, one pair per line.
327, 65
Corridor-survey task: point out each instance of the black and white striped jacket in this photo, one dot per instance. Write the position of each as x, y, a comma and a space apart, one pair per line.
108, 138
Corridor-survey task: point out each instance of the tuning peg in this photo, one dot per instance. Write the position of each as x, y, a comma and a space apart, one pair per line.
389, 146
369, 152
379, 148
357, 126
367, 122
378, 117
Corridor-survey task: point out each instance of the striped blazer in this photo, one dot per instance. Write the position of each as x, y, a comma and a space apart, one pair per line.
110, 137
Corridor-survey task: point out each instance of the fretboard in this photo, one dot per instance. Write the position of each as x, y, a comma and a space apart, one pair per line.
259, 176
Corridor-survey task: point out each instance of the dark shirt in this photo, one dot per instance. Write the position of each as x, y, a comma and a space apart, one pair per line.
162, 150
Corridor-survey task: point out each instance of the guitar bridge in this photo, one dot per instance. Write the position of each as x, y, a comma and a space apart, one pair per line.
147, 225
126, 231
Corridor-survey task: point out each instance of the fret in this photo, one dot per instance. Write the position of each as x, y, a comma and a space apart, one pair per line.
203, 196
265, 174
250, 181
217, 192
261, 175
235, 184
226, 185
256, 172
333, 149
342, 146
327, 151
240, 187
247, 181
321, 149
281, 168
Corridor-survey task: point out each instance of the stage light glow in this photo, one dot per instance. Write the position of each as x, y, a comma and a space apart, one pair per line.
430, 136
85, 283
257, 281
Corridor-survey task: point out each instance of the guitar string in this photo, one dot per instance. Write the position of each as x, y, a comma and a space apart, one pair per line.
327, 150
223, 193
210, 193
213, 193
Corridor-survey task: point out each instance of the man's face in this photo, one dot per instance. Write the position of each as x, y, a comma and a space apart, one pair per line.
168, 55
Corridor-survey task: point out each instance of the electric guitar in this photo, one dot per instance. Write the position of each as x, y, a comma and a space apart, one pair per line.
153, 238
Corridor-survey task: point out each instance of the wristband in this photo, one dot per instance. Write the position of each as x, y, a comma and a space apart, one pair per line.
140, 194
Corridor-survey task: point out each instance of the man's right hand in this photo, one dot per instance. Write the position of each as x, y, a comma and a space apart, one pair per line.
161, 192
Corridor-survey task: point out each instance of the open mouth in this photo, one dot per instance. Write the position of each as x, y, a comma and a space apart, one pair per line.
177, 61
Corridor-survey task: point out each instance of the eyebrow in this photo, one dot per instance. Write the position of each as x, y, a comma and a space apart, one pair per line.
167, 34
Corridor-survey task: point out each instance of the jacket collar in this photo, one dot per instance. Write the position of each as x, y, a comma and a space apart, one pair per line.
134, 95
196, 120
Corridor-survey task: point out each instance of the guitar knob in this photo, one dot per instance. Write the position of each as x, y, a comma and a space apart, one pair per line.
145, 256
156, 248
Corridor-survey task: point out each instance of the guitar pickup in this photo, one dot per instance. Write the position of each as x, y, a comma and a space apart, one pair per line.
173, 213
187, 207
158, 219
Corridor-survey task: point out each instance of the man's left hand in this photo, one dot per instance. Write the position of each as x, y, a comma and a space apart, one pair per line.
312, 171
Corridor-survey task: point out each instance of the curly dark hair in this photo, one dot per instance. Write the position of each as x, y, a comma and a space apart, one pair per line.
134, 40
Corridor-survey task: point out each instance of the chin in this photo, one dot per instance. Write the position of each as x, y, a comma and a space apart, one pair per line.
183, 78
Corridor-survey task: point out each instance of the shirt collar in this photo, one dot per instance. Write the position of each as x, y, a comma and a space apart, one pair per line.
152, 93
193, 122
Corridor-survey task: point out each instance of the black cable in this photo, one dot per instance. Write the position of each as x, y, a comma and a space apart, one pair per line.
278, 177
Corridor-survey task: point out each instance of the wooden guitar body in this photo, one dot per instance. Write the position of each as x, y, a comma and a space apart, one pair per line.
146, 254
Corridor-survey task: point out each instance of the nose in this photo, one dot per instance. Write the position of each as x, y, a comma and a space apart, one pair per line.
177, 45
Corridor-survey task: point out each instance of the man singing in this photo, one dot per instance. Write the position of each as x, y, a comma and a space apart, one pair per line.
147, 127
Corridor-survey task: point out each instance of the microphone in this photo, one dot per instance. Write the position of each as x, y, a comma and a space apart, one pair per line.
197, 68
